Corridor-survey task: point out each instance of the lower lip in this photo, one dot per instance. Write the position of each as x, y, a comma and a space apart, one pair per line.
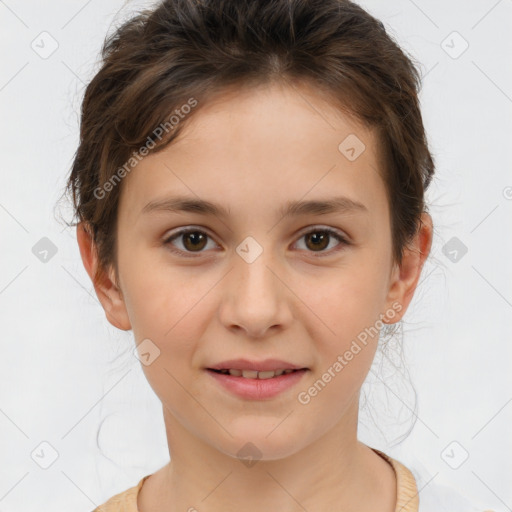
257, 389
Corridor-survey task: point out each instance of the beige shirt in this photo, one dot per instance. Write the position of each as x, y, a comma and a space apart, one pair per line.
407, 492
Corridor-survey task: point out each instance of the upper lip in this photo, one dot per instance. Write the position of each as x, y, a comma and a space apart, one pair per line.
262, 366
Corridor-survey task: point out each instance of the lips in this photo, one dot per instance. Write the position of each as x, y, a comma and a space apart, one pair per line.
251, 388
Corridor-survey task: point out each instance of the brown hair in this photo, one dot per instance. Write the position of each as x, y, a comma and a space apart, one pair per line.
186, 51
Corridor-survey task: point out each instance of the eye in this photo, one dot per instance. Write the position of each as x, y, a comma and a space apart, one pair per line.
318, 239
192, 239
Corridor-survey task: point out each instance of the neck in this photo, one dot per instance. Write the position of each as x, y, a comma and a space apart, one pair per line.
336, 472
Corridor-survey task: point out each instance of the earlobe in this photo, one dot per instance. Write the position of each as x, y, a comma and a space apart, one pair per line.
107, 291
405, 277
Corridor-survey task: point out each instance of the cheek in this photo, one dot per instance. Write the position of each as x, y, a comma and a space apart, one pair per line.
166, 314
343, 311
170, 308
345, 331
158, 297
170, 313
344, 300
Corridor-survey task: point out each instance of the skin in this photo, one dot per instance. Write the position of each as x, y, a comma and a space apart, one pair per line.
253, 151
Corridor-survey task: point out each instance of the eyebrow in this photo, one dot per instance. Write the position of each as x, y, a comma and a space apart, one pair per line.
338, 204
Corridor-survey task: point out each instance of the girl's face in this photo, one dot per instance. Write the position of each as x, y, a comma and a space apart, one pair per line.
259, 278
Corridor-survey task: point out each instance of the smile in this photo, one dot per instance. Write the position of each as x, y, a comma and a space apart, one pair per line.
254, 374
255, 385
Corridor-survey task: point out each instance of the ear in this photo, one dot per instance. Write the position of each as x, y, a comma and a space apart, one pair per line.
108, 292
404, 277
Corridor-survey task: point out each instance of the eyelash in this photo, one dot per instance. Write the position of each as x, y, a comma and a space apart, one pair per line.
329, 231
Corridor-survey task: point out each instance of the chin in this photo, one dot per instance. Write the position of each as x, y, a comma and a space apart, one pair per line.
255, 445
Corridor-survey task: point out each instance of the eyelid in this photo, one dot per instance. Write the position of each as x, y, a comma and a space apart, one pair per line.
183, 231
343, 239
328, 229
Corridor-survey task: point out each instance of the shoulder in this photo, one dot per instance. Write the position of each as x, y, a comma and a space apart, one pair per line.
125, 501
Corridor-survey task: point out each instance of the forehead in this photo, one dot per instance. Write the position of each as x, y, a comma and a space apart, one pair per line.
260, 146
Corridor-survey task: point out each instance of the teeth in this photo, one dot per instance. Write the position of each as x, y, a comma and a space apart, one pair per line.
254, 374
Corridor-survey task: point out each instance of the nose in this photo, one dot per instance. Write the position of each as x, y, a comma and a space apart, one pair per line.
255, 298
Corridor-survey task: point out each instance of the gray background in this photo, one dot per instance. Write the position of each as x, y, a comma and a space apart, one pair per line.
63, 372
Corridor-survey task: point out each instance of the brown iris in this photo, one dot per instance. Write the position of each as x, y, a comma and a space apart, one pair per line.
323, 239
196, 238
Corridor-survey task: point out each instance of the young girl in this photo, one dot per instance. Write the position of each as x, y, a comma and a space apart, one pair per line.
249, 187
